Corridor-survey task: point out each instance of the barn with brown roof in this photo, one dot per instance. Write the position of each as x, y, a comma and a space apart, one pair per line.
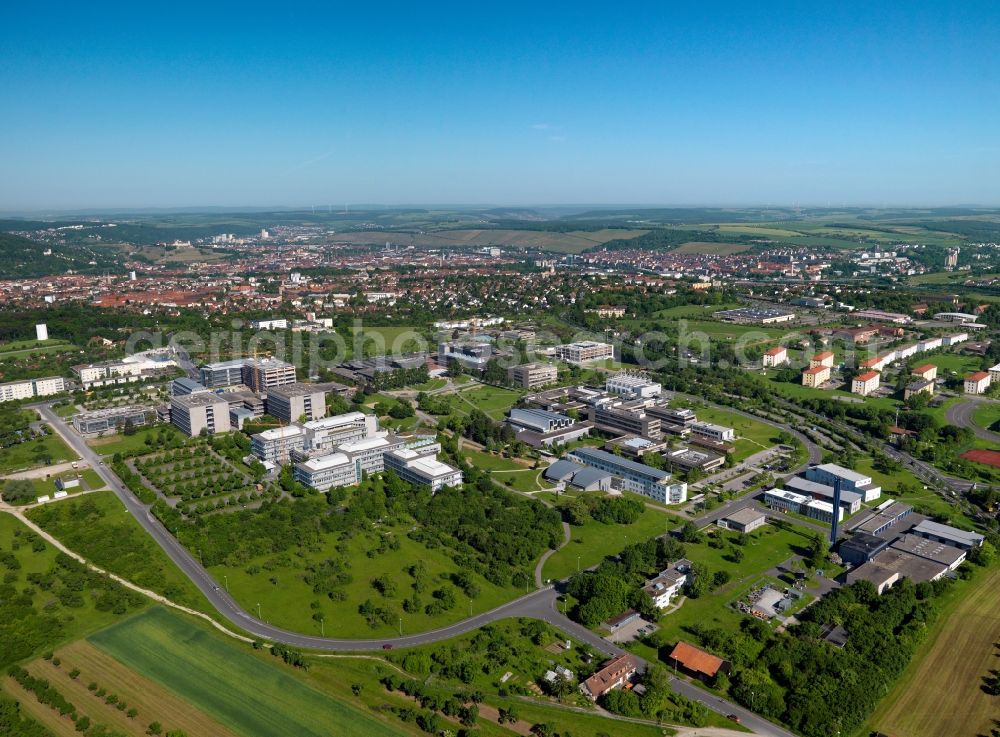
696, 662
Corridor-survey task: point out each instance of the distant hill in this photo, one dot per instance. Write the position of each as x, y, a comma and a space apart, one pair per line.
21, 258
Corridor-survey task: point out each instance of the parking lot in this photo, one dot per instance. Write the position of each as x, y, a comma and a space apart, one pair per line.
631, 631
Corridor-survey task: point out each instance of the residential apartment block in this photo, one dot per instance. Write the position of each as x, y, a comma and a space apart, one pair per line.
30, 388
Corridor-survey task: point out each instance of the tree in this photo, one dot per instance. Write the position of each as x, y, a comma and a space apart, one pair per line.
154, 728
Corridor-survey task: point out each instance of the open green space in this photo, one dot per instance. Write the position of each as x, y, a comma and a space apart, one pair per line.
987, 415
259, 699
100, 529
951, 362
383, 341
284, 585
429, 386
797, 391
492, 400
753, 435
48, 598
41, 451
593, 541
136, 443
765, 548
514, 475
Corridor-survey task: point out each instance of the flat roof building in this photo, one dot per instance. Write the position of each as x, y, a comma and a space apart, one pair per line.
30, 388
632, 386
947, 534
635, 477
827, 473
276, 444
532, 375
203, 411
326, 472
584, 351
744, 520
293, 402
422, 468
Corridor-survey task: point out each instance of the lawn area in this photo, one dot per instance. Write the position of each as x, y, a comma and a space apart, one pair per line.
916, 495
593, 541
17, 348
986, 415
939, 692
797, 391
390, 340
259, 699
492, 400
99, 528
753, 435
766, 547
510, 473
429, 386
125, 444
948, 362
42, 451
287, 600
748, 335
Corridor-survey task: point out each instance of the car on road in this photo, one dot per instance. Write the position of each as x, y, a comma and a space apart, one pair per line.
387, 646
733, 717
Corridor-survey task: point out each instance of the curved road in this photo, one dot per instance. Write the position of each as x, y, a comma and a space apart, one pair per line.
960, 415
540, 604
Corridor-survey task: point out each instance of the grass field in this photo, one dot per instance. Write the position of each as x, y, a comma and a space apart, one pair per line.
492, 400
111, 444
987, 414
754, 436
260, 699
31, 454
948, 362
152, 701
278, 584
99, 528
77, 621
517, 476
939, 693
767, 547
593, 541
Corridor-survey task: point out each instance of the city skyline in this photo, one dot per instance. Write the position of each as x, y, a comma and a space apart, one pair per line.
722, 105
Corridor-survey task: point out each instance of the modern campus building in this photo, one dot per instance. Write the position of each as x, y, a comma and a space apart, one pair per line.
788, 501
624, 420
290, 402
584, 351
30, 388
632, 386
744, 520
850, 501
130, 368
113, 419
947, 534
368, 454
180, 387
635, 477
532, 375
420, 466
828, 473
192, 413
326, 472
277, 443
329, 432
718, 433
260, 374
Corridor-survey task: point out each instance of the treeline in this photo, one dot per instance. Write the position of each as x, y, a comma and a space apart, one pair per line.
15, 724
815, 688
616, 584
607, 509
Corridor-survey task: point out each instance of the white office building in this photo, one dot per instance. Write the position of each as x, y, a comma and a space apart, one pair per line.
329, 432
420, 466
717, 433
326, 472
276, 444
632, 386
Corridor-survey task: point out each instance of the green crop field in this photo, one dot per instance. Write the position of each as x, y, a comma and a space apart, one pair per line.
259, 699
940, 691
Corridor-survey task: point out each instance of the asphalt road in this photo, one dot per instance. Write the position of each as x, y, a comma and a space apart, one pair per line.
540, 604
960, 415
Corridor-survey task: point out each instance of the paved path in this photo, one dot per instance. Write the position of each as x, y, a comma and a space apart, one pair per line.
41, 473
540, 604
960, 413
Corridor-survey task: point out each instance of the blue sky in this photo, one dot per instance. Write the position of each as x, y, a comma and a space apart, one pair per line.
671, 103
